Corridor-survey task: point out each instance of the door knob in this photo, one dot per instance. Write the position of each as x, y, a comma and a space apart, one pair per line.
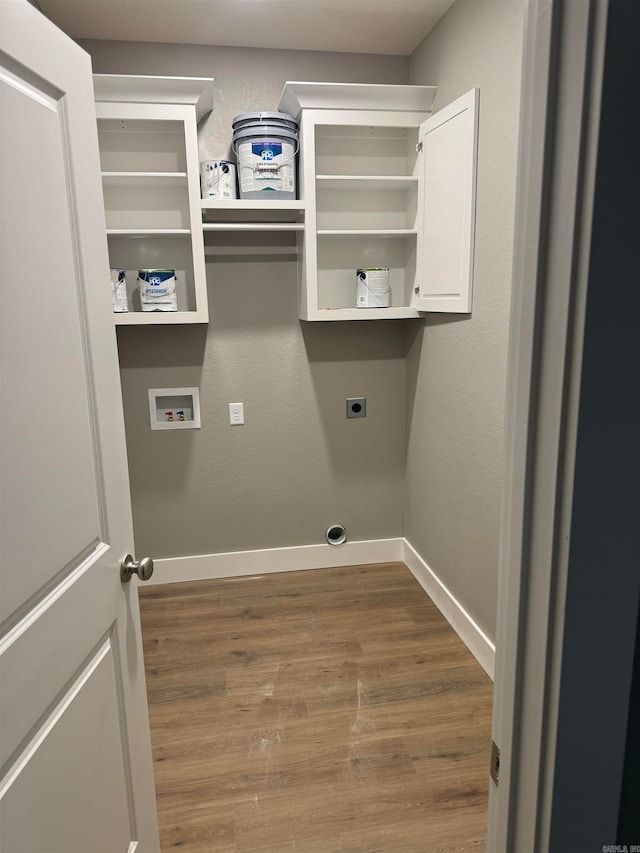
143, 568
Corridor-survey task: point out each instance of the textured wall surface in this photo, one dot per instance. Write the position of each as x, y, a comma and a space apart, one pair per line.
456, 366
246, 80
297, 465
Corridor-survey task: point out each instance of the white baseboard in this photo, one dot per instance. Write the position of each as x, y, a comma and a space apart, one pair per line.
474, 638
268, 560
301, 557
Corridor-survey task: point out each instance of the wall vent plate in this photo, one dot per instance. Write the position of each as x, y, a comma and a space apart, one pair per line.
174, 408
356, 407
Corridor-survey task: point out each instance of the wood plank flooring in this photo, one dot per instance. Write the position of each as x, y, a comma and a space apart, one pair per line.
326, 711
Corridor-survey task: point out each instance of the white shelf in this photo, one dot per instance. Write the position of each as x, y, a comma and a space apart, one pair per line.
135, 180
223, 214
154, 318
368, 232
252, 215
247, 204
366, 182
148, 232
249, 250
253, 226
403, 312
142, 89
297, 96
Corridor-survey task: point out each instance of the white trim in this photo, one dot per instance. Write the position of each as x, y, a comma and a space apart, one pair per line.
474, 638
142, 89
192, 423
298, 95
302, 557
297, 558
51, 721
561, 91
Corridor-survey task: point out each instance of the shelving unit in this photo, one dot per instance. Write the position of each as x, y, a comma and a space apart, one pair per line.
363, 177
147, 131
360, 176
362, 172
382, 183
253, 227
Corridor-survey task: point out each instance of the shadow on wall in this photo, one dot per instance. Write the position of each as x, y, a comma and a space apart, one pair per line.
354, 340
252, 287
415, 344
162, 346
359, 359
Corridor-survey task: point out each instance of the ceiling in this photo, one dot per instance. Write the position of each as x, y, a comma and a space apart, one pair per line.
394, 27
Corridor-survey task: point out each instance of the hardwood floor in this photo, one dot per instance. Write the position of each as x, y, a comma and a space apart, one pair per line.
323, 711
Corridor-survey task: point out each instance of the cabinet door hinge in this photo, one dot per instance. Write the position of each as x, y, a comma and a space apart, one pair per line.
495, 762
419, 146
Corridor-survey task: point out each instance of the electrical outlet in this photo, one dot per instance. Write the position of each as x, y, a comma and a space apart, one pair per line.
356, 407
236, 414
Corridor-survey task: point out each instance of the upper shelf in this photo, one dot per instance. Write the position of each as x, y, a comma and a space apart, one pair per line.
253, 226
252, 204
297, 96
252, 210
366, 182
142, 89
148, 232
366, 232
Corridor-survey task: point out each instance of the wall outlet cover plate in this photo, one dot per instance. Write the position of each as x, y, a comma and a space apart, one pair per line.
356, 407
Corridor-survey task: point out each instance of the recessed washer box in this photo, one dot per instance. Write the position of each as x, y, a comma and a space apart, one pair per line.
174, 408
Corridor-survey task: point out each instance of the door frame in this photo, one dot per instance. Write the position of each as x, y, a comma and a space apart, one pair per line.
561, 91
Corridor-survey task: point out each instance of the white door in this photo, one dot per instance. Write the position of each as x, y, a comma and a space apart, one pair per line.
449, 150
75, 766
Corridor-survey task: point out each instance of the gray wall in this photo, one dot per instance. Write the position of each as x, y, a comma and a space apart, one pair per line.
297, 465
456, 366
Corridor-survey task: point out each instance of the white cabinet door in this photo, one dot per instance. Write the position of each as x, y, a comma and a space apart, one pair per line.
76, 773
449, 149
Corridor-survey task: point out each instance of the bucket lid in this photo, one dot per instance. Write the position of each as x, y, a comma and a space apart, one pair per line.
263, 132
264, 118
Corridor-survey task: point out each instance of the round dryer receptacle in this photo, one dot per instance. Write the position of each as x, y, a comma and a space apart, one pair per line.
336, 534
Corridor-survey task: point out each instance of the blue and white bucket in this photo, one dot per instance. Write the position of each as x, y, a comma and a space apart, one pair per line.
218, 179
266, 145
274, 119
157, 290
